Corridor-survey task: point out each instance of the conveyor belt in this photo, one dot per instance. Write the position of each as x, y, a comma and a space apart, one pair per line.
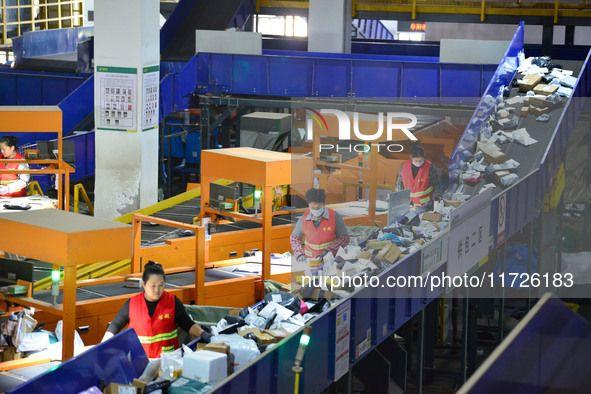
172, 281
530, 157
16, 377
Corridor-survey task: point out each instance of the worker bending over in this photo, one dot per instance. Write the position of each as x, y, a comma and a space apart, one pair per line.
421, 177
12, 185
154, 315
319, 231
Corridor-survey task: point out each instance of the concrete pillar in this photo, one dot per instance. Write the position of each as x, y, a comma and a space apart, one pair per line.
329, 26
88, 7
126, 59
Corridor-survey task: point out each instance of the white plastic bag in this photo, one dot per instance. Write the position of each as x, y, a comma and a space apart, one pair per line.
33, 341
59, 329
172, 364
244, 350
151, 370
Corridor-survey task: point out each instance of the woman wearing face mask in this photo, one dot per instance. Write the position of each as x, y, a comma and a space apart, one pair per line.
421, 177
321, 230
12, 185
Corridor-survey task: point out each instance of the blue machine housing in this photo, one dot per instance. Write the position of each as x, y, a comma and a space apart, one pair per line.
118, 360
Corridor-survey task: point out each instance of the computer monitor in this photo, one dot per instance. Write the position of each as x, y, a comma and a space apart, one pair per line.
48, 150
219, 193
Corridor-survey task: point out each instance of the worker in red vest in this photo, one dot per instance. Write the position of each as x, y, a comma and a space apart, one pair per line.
319, 231
12, 185
154, 315
421, 177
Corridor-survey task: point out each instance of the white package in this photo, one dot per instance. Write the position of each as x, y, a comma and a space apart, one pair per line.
205, 366
34, 341
272, 307
523, 137
244, 350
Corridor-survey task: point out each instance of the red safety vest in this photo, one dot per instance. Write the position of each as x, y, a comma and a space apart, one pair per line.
318, 239
7, 179
421, 192
157, 334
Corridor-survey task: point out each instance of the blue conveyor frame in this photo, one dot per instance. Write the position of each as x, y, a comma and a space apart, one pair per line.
118, 360
304, 74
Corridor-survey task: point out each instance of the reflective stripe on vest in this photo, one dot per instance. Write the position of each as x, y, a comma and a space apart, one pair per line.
160, 337
421, 192
318, 239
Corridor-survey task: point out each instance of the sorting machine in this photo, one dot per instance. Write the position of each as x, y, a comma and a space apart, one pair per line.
373, 319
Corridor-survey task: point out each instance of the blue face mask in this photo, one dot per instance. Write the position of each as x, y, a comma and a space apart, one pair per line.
317, 213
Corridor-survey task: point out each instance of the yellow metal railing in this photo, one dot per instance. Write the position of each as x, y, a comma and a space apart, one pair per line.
79, 189
17, 18
35, 189
550, 8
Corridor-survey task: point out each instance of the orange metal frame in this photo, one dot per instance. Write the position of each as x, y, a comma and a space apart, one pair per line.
39, 119
63, 239
258, 167
201, 249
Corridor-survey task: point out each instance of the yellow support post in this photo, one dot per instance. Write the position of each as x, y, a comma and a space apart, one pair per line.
414, 9
35, 188
79, 188
482, 7
555, 11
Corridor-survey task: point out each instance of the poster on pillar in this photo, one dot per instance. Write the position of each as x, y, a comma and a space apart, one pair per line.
151, 79
117, 98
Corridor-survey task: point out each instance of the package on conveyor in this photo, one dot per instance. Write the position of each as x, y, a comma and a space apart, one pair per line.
116, 388
509, 180
389, 254
157, 386
492, 153
522, 136
510, 165
244, 350
472, 177
528, 82
544, 89
205, 365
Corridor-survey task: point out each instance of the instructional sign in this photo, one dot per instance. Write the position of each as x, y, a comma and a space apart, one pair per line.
502, 219
468, 234
117, 98
151, 83
398, 204
342, 339
434, 254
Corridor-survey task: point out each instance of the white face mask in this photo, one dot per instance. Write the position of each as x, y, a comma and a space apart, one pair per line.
317, 213
420, 163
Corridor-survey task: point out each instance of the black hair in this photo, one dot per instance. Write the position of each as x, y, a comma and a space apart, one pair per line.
9, 140
417, 150
315, 195
152, 268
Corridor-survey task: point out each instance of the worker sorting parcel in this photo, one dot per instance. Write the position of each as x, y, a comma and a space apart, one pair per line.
154, 315
421, 177
12, 185
319, 231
